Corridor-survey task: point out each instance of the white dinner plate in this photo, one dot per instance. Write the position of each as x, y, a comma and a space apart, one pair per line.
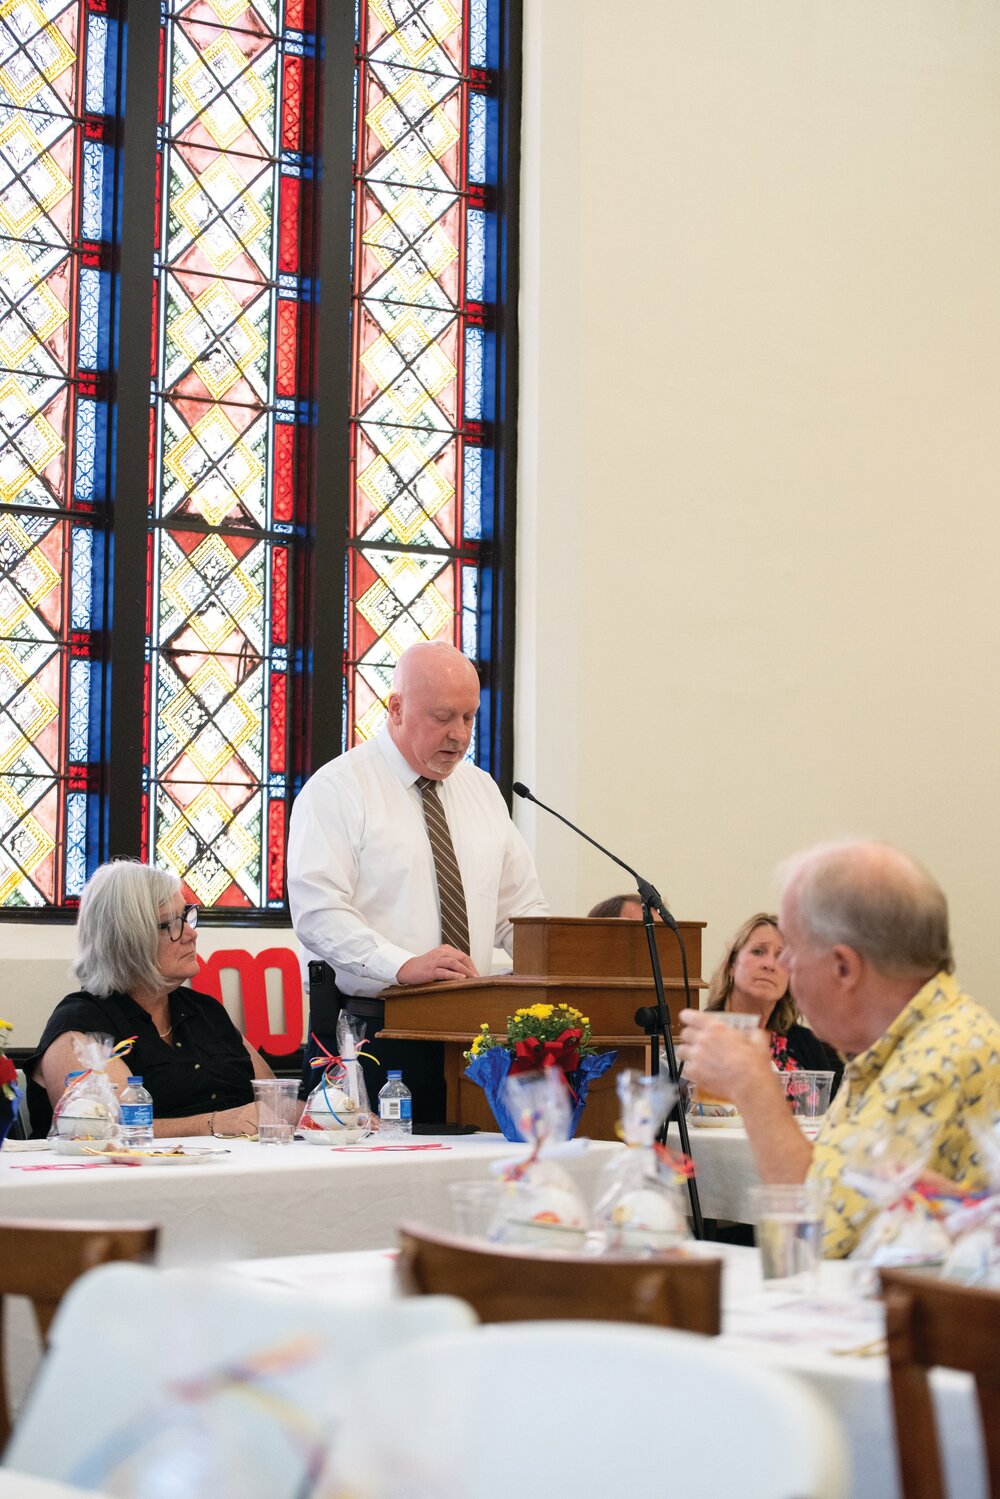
190, 1156
62, 1145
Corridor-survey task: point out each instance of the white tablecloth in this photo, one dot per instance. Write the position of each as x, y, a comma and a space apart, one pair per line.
792, 1334
274, 1199
258, 1200
724, 1170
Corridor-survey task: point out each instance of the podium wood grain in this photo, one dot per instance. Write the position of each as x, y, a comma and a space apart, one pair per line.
600, 966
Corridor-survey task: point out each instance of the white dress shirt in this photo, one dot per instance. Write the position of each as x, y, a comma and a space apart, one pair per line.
361, 880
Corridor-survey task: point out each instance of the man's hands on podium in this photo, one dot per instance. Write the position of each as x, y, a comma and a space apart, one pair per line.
441, 963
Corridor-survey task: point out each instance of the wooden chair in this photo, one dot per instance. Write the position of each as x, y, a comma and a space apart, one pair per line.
41, 1260
932, 1322
507, 1284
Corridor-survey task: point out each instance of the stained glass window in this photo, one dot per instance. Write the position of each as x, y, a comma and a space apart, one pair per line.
58, 72
244, 279
423, 392
236, 172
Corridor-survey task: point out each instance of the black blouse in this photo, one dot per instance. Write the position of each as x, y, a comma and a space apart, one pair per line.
202, 1069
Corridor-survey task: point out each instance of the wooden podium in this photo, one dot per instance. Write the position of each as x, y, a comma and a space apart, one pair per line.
601, 966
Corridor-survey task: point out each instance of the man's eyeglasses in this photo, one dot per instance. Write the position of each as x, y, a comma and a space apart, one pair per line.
176, 924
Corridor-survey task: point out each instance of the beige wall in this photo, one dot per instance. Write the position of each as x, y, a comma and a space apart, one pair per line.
36, 971
758, 524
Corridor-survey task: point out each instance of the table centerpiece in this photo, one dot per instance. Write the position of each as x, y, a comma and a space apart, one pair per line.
538, 1037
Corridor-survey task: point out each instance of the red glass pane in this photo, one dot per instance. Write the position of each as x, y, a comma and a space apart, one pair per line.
279, 598
276, 851
278, 728
284, 471
287, 348
289, 250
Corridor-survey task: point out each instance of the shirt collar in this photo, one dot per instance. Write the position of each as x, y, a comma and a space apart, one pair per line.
937, 995
396, 762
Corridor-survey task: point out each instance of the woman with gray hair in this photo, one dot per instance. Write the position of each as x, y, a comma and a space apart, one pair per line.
135, 953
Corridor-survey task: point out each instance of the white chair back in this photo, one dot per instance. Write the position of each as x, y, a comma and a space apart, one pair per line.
164, 1383
588, 1409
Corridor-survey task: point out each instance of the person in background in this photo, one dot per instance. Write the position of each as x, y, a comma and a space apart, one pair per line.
868, 954
750, 980
628, 907
135, 953
404, 866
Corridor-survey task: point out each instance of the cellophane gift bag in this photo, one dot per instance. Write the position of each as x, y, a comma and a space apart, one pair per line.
904, 1228
337, 1108
87, 1116
540, 1204
641, 1209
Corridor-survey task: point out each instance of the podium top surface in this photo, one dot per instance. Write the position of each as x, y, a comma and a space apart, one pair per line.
602, 947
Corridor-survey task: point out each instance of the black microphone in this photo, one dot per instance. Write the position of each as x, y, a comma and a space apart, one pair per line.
649, 894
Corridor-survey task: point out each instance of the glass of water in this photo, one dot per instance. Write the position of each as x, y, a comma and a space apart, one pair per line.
789, 1233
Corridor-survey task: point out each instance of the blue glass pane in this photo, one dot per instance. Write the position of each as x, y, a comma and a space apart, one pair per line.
470, 612
475, 255
90, 319
86, 428
92, 197
472, 493
97, 51
473, 374
477, 138
477, 33
83, 551
76, 842
79, 709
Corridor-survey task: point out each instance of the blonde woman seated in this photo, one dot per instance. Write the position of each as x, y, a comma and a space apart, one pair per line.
135, 953
751, 981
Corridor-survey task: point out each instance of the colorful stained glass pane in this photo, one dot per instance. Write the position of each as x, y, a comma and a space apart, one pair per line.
55, 58
420, 393
236, 165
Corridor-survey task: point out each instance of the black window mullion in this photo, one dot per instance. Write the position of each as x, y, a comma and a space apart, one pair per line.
504, 546
327, 598
129, 499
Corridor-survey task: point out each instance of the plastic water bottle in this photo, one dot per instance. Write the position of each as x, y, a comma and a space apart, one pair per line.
395, 1110
137, 1115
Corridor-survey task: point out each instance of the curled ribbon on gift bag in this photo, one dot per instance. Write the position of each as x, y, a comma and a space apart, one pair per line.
335, 1071
117, 1054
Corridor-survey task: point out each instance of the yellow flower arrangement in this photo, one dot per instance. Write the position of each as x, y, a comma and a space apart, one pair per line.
535, 1022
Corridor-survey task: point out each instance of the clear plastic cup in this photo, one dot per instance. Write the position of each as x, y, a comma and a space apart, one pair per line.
711, 1105
789, 1234
278, 1109
475, 1208
808, 1092
738, 1020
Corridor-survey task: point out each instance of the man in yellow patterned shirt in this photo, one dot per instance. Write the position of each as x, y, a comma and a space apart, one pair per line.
869, 957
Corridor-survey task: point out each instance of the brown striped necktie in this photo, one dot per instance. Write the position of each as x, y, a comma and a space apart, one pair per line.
451, 895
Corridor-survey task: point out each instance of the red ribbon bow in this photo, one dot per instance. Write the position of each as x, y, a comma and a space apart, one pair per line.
532, 1054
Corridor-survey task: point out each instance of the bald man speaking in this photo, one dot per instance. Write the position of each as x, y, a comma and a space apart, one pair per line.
403, 864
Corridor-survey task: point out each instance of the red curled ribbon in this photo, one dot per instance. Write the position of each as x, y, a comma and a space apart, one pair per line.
533, 1055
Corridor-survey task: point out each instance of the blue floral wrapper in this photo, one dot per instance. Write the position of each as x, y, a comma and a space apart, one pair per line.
491, 1070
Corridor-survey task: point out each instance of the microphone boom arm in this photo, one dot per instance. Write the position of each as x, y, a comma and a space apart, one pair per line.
654, 1020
